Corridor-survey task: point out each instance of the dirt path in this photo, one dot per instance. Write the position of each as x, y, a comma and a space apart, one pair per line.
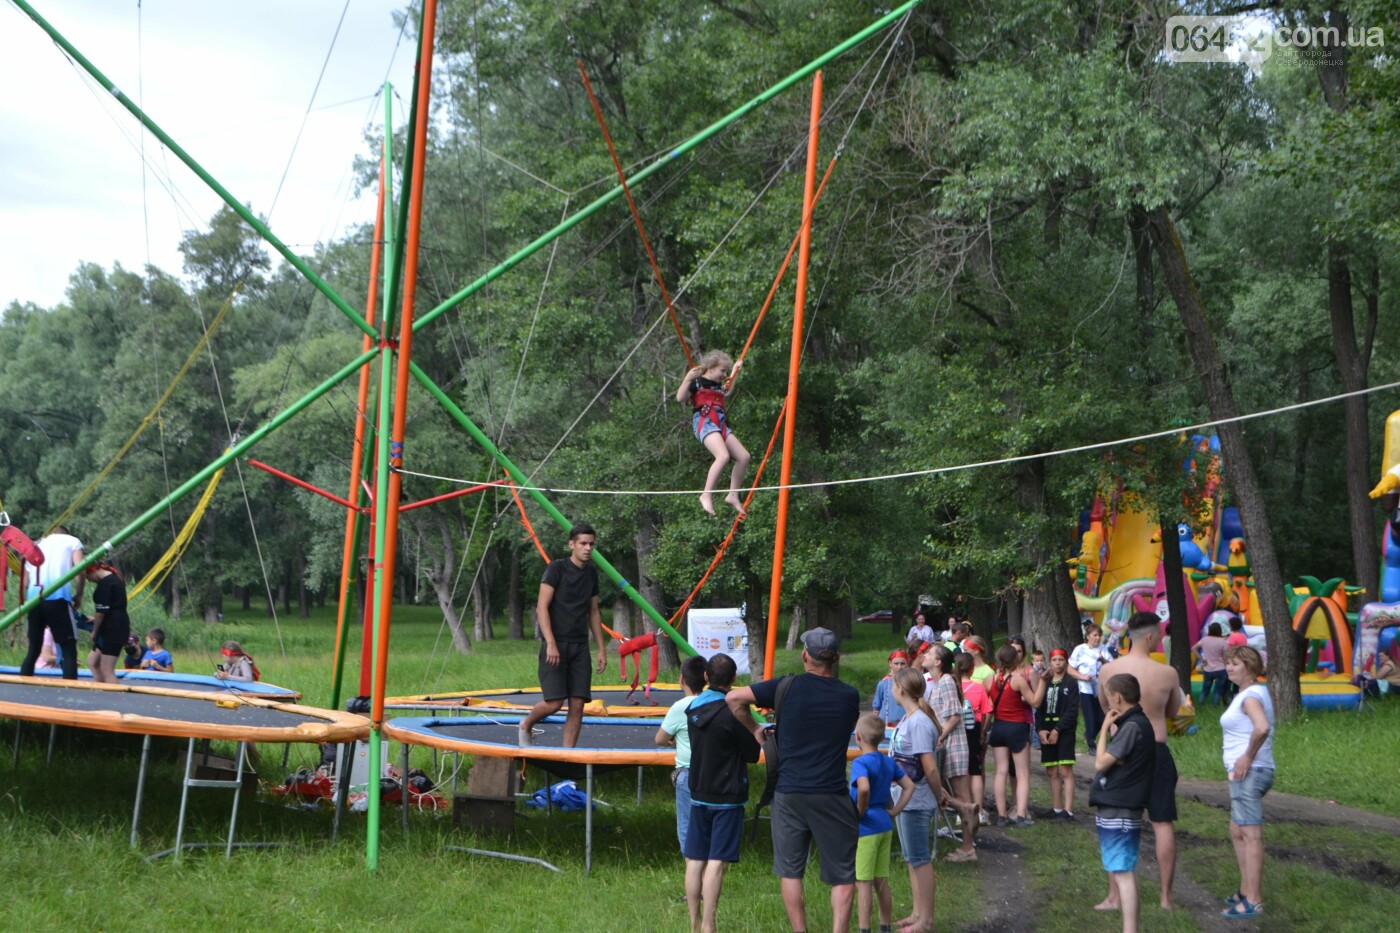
1004, 893
1288, 808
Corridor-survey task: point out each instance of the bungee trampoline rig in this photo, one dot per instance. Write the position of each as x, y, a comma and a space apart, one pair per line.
390, 343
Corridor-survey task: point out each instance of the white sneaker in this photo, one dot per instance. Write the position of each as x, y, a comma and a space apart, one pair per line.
982, 818
945, 833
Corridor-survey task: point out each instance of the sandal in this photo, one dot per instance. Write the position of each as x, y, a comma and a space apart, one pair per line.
1242, 909
1234, 899
961, 855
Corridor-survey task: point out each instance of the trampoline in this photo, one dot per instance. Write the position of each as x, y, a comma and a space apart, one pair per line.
189, 714
176, 681
607, 701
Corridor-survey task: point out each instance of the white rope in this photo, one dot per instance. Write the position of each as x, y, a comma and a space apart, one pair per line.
975, 465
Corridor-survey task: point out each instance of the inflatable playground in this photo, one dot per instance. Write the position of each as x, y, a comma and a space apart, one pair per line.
1119, 571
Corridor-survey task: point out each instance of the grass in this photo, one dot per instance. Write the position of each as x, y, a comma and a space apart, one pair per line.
66, 826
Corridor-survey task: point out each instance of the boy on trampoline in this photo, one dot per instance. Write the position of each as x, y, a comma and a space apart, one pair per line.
704, 387
568, 610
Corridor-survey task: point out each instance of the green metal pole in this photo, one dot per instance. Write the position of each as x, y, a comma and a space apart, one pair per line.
158, 510
381, 490
690, 144
242, 211
627, 588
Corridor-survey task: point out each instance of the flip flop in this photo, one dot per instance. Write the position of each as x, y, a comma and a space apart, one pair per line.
1243, 910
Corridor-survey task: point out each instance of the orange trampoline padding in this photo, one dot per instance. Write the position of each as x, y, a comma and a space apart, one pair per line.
180, 713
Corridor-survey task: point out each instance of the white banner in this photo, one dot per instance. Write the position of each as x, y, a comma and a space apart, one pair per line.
715, 631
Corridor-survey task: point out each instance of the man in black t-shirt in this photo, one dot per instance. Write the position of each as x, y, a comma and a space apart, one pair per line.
568, 611
812, 802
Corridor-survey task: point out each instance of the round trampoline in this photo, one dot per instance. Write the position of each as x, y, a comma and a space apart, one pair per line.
177, 681
191, 714
194, 714
607, 701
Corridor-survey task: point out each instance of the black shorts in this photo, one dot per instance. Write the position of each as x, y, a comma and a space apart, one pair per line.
1161, 805
111, 640
1061, 753
1009, 735
975, 751
572, 677
714, 833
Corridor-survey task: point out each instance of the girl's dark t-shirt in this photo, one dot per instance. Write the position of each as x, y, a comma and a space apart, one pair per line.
109, 598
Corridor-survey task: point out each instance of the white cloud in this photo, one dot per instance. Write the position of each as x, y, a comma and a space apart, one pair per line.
229, 82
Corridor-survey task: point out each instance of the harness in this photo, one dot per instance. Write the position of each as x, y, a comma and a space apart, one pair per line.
709, 403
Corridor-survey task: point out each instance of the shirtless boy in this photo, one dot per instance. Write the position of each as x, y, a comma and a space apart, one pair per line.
1161, 697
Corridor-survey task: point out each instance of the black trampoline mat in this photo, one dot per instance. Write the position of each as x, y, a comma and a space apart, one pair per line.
640, 736
150, 705
660, 698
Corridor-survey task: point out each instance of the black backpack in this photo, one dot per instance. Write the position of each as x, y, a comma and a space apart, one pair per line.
770, 751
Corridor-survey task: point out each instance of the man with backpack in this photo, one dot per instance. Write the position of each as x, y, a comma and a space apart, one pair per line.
816, 714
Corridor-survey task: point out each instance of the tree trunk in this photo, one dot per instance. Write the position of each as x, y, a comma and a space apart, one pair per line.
756, 622
245, 596
794, 628
515, 607
439, 573
1176, 605
651, 590
1050, 619
303, 598
1210, 368
175, 606
1014, 619
481, 596
1352, 366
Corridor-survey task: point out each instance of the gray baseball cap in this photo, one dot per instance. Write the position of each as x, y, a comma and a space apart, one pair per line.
821, 644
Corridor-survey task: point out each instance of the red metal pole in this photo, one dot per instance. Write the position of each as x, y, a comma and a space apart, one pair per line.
305, 485
794, 363
457, 494
403, 356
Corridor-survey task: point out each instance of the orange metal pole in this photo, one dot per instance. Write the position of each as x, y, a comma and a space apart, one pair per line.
347, 570
794, 364
402, 357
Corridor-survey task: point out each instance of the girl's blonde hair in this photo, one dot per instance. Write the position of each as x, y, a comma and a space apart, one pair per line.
712, 358
911, 683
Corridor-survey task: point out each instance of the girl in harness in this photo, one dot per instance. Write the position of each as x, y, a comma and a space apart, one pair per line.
704, 387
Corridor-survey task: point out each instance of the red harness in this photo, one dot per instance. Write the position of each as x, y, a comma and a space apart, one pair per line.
633, 647
710, 404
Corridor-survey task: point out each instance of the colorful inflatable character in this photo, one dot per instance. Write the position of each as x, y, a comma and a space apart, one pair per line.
1198, 606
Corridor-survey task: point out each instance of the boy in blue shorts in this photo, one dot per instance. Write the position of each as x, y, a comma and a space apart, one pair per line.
1124, 762
871, 776
720, 752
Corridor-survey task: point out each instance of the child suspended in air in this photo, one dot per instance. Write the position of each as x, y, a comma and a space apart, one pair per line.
704, 387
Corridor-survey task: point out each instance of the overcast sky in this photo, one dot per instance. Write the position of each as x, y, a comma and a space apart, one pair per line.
229, 81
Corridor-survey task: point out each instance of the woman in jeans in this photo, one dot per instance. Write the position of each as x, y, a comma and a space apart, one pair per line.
1248, 733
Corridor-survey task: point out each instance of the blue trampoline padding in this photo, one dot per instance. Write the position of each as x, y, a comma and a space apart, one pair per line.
175, 681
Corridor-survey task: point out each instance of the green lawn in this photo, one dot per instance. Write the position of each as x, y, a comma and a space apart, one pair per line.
66, 826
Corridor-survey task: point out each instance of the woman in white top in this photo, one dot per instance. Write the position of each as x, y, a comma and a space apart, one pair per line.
1247, 727
920, 631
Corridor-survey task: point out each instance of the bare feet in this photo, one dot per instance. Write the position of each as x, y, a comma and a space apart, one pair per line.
1167, 905
1107, 905
707, 503
734, 500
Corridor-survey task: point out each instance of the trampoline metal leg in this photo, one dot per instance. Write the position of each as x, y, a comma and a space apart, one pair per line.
588, 824
140, 788
237, 794
53, 738
639, 785
184, 801
403, 789
19, 724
